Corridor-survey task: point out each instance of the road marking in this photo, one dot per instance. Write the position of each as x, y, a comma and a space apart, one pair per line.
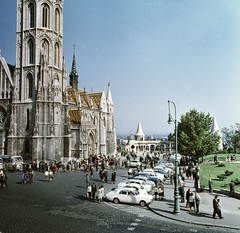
131, 228
134, 224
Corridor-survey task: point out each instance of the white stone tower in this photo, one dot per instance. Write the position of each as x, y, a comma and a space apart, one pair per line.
215, 129
40, 82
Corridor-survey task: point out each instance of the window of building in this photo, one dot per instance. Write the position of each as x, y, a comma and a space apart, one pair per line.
31, 51
56, 55
28, 119
31, 15
57, 20
29, 86
45, 16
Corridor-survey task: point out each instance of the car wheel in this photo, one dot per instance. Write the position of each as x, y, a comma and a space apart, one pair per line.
142, 203
115, 200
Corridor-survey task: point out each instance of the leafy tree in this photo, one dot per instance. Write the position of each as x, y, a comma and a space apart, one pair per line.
232, 136
194, 134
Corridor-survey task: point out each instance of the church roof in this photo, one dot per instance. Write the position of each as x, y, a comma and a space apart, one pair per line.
139, 130
87, 98
75, 116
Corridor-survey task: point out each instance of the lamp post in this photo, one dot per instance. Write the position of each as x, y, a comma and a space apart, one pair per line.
176, 191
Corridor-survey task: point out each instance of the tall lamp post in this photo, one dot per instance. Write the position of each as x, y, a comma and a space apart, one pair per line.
176, 191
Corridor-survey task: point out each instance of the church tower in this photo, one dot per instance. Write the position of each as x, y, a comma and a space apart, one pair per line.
40, 81
74, 74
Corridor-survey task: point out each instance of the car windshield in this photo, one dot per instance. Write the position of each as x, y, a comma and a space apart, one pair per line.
16, 159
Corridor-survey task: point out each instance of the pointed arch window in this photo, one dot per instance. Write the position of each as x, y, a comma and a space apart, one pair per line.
57, 20
28, 119
31, 15
56, 55
45, 15
31, 51
29, 86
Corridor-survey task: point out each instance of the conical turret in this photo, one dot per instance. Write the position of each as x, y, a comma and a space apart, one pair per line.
139, 136
74, 74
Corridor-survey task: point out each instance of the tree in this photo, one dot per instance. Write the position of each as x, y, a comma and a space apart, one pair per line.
194, 134
232, 136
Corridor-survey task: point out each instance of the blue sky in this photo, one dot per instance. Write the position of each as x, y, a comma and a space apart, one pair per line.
151, 51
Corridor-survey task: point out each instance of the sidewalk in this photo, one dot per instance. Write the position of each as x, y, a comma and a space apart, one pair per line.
230, 208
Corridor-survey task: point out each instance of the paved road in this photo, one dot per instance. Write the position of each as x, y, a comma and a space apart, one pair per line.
61, 206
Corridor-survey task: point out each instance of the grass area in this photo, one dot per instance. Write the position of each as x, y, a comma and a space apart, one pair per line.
221, 157
215, 171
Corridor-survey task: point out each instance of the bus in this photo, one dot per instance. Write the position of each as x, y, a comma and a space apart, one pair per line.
14, 162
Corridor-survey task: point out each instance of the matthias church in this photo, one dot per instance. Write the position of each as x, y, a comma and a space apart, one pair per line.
41, 116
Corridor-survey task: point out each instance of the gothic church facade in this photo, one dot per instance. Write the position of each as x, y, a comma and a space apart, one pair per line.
41, 116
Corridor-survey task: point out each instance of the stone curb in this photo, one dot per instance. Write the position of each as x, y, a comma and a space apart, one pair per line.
194, 223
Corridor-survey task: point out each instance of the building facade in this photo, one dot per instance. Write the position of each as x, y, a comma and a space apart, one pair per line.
141, 146
43, 118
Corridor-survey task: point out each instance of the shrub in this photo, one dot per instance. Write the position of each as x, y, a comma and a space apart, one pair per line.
221, 177
221, 165
228, 173
236, 181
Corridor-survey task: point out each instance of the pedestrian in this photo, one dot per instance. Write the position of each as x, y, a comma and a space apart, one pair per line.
105, 174
87, 180
46, 175
31, 176
219, 208
50, 175
187, 197
101, 174
181, 192
191, 203
215, 207
196, 181
232, 186
94, 190
210, 185
197, 201
91, 170
113, 176
24, 178
99, 195
161, 192
89, 192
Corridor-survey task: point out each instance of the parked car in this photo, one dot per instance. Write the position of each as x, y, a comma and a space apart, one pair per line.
146, 180
129, 195
155, 179
147, 187
152, 173
134, 163
161, 171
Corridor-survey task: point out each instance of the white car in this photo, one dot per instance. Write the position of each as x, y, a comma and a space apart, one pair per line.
134, 163
146, 180
152, 173
138, 187
147, 187
129, 195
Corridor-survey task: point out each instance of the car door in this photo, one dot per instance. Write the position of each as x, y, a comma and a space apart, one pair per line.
123, 196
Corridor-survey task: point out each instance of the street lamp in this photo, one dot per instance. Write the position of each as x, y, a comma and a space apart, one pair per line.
176, 191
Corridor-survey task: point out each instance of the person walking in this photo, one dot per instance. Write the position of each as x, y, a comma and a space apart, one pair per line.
87, 180
187, 197
197, 201
215, 207
232, 187
105, 174
94, 190
113, 176
99, 195
46, 175
89, 192
50, 175
219, 208
191, 203
210, 185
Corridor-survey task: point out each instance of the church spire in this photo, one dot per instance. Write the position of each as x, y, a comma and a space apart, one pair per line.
74, 74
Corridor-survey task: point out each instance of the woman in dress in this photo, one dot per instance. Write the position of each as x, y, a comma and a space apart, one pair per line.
99, 195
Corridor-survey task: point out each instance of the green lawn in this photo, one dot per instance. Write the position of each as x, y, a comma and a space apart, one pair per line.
215, 171
221, 157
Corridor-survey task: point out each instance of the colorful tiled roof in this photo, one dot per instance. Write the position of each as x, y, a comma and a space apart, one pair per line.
75, 116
